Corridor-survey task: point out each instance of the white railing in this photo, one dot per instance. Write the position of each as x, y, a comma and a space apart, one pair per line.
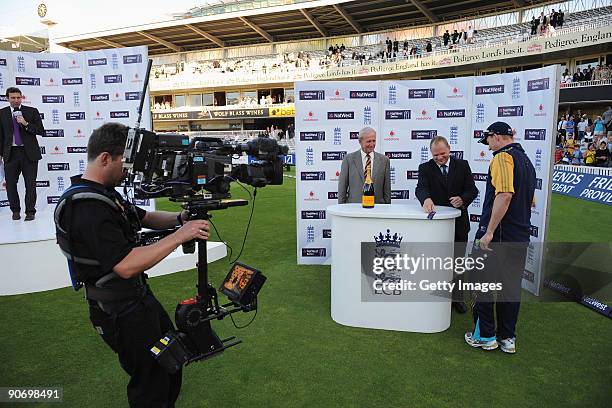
597, 82
600, 171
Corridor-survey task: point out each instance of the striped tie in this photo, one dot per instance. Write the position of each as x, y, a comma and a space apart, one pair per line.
368, 166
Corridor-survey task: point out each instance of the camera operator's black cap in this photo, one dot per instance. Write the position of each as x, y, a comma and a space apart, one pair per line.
499, 128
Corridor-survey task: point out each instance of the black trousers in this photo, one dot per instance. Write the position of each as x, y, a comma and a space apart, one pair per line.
505, 265
131, 336
18, 163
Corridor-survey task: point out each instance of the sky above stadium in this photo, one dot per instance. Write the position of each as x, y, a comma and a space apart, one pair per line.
83, 16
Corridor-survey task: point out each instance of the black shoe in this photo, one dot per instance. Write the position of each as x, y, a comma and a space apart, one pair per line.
460, 307
29, 217
16, 216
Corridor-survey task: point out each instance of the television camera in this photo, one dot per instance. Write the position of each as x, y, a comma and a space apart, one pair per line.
197, 173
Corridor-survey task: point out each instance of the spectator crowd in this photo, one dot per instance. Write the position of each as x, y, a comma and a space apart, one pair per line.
590, 73
582, 140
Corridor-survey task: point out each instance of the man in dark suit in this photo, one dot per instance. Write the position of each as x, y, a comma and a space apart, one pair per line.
446, 181
354, 167
20, 151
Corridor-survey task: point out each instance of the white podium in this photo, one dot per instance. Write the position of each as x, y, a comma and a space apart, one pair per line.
352, 225
32, 262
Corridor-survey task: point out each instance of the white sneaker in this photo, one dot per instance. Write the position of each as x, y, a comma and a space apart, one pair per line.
508, 345
485, 344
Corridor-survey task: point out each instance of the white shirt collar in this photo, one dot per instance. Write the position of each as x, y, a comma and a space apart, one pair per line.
447, 164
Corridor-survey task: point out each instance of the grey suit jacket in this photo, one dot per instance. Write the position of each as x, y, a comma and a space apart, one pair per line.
350, 184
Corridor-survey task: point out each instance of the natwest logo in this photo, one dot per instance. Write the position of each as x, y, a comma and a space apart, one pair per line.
96, 62
76, 149
99, 97
72, 81
399, 155
340, 115
480, 176
362, 94
451, 113
120, 114
489, 89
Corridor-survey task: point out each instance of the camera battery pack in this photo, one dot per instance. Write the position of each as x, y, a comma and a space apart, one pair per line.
170, 352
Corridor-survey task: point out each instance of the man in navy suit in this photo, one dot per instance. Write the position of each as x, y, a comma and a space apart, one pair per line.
447, 181
19, 149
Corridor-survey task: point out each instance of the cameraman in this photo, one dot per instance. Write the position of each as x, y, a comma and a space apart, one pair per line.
101, 240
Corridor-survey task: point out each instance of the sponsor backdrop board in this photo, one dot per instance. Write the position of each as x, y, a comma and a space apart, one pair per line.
75, 93
406, 115
328, 122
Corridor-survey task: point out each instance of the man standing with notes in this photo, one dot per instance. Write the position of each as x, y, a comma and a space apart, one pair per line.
447, 181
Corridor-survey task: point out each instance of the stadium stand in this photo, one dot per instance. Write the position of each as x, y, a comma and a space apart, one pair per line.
318, 59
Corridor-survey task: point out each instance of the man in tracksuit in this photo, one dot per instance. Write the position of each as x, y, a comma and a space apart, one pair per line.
503, 235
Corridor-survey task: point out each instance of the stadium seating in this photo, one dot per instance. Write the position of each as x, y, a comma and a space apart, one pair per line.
320, 60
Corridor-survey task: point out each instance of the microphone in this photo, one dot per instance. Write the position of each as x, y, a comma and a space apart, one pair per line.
16, 113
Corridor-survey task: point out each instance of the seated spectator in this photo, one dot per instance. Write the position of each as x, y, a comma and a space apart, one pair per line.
602, 155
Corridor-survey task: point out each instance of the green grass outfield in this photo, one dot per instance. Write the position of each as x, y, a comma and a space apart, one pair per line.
294, 355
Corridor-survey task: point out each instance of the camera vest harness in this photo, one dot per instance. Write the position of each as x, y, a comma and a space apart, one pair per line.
110, 287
